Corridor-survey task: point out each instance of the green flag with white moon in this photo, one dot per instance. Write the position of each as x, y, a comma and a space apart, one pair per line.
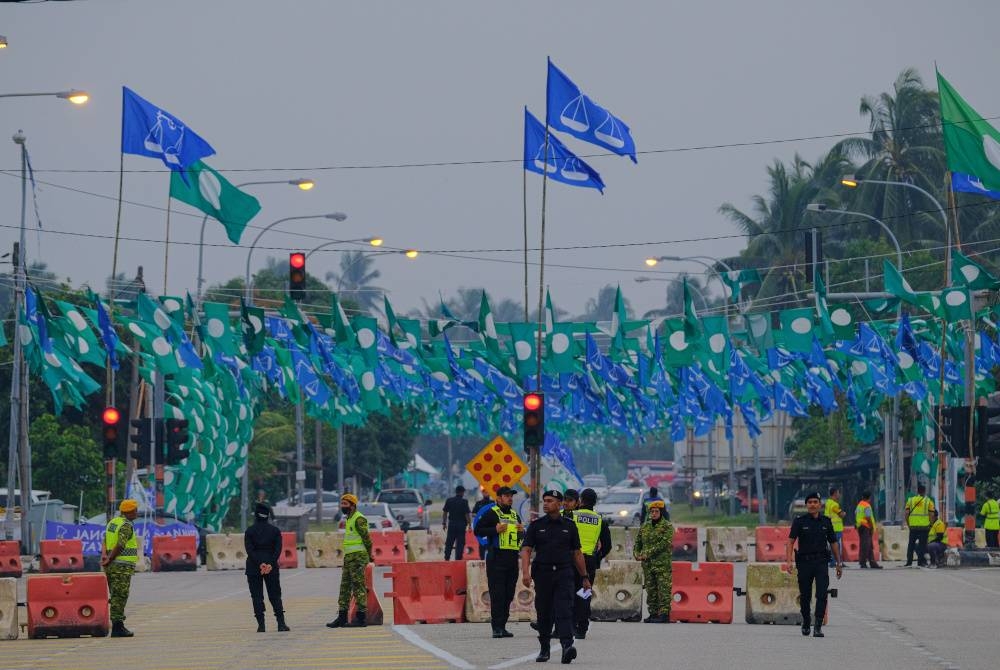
210, 192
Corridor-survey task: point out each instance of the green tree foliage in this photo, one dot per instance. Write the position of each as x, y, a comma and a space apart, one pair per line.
383, 446
355, 280
67, 460
821, 440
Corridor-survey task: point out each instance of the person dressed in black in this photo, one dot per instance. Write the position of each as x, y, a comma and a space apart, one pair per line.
816, 539
595, 543
485, 501
456, 519
557, 559
263, 544
502, 527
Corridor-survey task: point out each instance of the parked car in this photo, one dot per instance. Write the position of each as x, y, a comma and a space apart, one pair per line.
597, 482
331, 503
621, 507
378, 514
37, 496
408, 507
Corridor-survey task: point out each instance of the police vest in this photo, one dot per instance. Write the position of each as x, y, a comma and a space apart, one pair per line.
832, 507
588, 525
938, 533
861, 518
130, 553
352, 538
991, 512
919, 507
508, 539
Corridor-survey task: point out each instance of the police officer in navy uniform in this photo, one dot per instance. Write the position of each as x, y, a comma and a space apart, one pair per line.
558, 558
595, 543
501, 526
816, 539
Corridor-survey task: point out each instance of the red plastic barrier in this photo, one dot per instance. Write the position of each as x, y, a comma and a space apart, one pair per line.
289, 552
388, 546
471, 550
373, 617
956, 537
10, 558
685, 543
62, 555
432, 592
68, 605
703, 595
852, 544
771, 542
175, 553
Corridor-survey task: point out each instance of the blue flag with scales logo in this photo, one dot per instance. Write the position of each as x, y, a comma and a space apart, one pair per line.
559, 162
149, 131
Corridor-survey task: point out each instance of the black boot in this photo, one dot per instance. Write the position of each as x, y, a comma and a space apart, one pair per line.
359, 620
118, 629
340, 621
806, 623
260, 622
282, 626
818, 631
544, 650
568, 653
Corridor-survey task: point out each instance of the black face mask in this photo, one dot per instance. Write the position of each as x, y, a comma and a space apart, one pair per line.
345, 510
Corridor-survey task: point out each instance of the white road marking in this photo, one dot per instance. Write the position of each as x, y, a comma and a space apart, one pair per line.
415, 639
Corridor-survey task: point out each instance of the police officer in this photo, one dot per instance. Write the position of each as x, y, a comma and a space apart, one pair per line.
485, 501
557, 558
991, 519
917, 516
121, 553
595, 543
455, 520
816, 538
571, 501
357, 555
502, 527
263, 544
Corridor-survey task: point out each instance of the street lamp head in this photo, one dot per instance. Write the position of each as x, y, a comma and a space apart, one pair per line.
651, 262
336, 216
19, 137
850, 180
3, 42
376, 241
303, 184
74, 96
412, 253
816, 207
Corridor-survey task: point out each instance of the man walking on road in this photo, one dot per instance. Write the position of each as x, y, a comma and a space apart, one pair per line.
121, 553
817, 540
357, 556
502, 527
457, 518
864, 521
917, 517
263, 544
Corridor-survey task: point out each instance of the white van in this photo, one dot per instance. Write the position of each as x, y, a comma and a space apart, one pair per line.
36, 497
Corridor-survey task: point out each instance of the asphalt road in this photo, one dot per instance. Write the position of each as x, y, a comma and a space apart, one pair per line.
894, 618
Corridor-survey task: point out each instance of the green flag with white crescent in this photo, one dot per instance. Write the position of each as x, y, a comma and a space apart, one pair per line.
972, 144
966, 271
210, 192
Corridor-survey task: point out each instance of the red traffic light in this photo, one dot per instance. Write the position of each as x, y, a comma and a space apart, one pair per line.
111, 416
297, 260
532, 401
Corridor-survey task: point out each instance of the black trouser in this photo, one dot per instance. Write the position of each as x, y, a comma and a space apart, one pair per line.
482, 551
273, 583
502, 581
581, 606
866, 550
918, 543
991, 539
554, 601
456, 539
808, 572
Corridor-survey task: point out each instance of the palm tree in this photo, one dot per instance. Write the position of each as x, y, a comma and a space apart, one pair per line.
354, 278
603, 306
674, 305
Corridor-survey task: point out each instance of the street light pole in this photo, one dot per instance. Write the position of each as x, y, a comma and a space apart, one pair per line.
73, 95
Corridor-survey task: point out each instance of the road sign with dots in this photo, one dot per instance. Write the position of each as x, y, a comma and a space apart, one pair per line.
497, 465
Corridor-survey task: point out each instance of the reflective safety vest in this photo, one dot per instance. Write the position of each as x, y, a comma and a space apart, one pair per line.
862, 515
129, 554
919, 507
508, 539
938, 533
352, 538
991, 512
833, 512
588, 525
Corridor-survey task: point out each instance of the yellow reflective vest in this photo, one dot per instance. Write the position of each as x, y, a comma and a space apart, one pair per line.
588, 525
938, 533
352, 538
509, 538
129, 555
991, 515
863, 515
833, 512
919, 508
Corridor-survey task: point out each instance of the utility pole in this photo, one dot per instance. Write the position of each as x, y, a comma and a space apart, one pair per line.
15, 401
319, 471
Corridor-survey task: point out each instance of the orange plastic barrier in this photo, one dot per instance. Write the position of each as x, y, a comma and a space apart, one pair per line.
373, 617
62, 555
956, 538
471, 550
852, 544
388, 546
289, 551
432, 592
10, 558
175, 553
703, 595
68, 605
685, 543
771, 541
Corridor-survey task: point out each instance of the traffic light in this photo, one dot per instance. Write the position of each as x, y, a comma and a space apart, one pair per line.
297, 275
110, 418
142, 438
176, 437
987, 443
534, 419
955, 428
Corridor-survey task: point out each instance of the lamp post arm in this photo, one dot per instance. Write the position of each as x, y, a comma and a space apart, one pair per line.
246, 281
888, 231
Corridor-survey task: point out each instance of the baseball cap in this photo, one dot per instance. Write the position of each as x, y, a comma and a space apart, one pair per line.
505, 490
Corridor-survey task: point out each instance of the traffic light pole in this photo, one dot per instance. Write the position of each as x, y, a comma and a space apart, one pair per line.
159, 399
15, 401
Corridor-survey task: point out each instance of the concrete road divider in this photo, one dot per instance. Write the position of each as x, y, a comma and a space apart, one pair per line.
726, 545
772, 595
770, 542
10, 560
617, 592
68, 605
289, 552
894, 540
429, 592
374, 615
702, 594
175, 553
8, 607
477, 597
324, 550
620, 544
225, 552
61, 555
388, 546
685, 543
143, 564
424, 545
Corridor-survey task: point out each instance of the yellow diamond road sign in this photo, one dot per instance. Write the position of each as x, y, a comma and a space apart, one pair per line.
497, 465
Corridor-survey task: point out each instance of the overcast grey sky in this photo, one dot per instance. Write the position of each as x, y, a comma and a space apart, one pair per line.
318, 84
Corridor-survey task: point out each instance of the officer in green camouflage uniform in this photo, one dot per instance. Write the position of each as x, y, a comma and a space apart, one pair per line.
121, 553
357, 555
654, 546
